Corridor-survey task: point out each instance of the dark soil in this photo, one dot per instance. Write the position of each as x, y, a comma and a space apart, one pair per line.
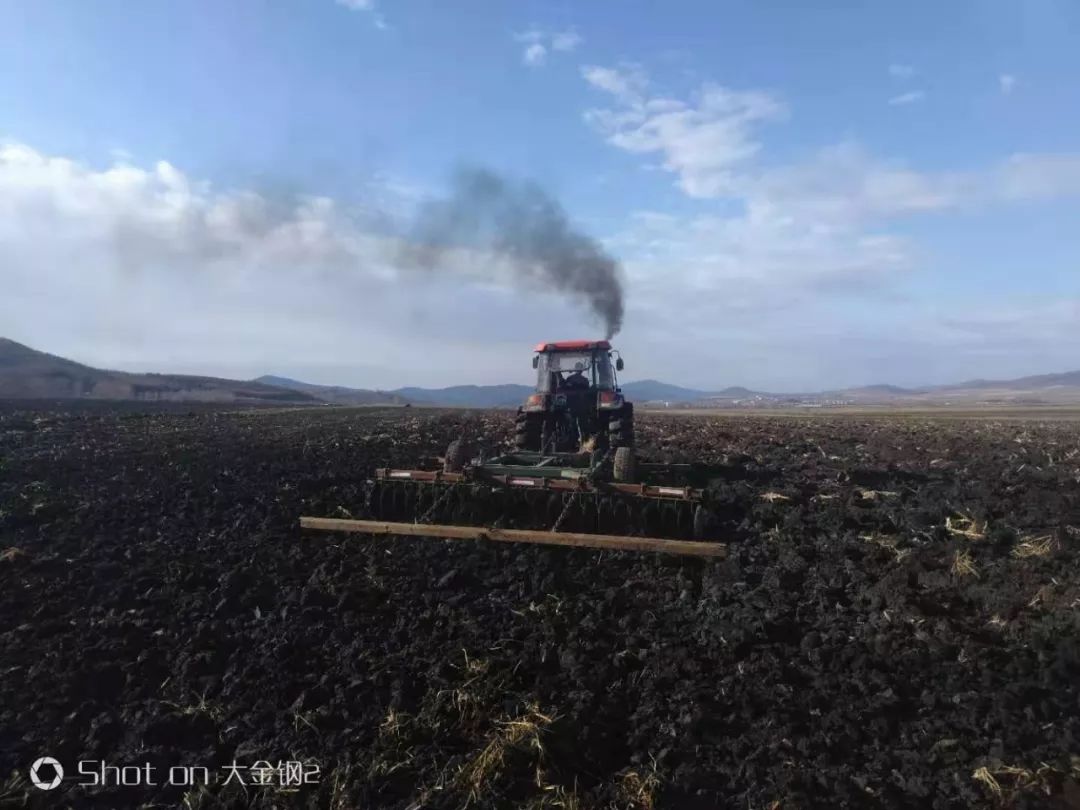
877, 638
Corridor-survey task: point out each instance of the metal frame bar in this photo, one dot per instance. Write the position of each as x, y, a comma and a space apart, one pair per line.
601, 541
524, 459
523, 478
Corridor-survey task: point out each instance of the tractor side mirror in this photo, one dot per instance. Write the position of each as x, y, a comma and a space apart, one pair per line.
618, 364
536, 360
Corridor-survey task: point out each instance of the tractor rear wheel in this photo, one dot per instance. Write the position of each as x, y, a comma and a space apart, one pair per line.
527, 427
458, 454
624, 470
621, 427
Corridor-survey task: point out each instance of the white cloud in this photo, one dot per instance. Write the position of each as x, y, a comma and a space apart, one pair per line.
540, 42
566, 40
844, 183
912, 97
368, 6
627, 84
1018, 324
786, 242
148, 268
711, 144
847, 183
899, 71
534, 55
823, 223
701, 140
762, 260
803, 230
159, 217
1027, 177
1007, 83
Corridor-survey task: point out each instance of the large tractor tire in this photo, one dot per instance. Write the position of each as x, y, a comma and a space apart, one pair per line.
527, 427
621, 427
458, 454
624, 470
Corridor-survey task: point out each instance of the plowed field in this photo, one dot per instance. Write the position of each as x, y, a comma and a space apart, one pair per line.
898, 623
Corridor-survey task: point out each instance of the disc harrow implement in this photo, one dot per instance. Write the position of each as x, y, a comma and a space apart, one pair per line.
538, 498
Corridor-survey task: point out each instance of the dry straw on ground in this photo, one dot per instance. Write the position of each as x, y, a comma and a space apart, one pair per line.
773, 497
984, 776
875, 494
1005, 781
965, 526
520, 732
888, 542
1035, 547
963, 565
638, 790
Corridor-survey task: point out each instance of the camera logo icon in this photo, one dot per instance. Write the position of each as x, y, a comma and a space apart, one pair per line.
46, 773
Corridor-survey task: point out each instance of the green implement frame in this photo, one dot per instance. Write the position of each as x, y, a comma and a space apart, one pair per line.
565, 465
575, 472
550, 498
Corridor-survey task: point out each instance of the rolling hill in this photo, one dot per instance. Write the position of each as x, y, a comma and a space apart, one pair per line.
469, 396
1068, 379
656, 391
29, 374
335, 394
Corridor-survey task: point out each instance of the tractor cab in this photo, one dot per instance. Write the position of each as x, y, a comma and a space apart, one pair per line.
575, 365
577, 398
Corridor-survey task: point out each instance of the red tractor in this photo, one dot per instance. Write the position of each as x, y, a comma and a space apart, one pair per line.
578, 404
573, 471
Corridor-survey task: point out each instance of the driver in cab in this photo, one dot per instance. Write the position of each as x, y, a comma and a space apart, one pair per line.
575, 380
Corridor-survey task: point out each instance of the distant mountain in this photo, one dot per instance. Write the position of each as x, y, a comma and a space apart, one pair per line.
886, 390
656, 391
1068, 379
29, 374
468, 396
737, 392
511, 395
335, 394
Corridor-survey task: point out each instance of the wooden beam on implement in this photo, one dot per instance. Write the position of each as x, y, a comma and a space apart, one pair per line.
607, 541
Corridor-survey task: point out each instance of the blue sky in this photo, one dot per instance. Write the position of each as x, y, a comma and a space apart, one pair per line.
800, 198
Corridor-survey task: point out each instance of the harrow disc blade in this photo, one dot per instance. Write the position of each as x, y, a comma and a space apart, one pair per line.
484, 504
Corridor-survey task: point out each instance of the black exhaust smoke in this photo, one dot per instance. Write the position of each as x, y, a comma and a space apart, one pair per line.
521, 224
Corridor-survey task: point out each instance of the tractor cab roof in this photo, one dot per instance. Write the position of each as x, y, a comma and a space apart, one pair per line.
572, 346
